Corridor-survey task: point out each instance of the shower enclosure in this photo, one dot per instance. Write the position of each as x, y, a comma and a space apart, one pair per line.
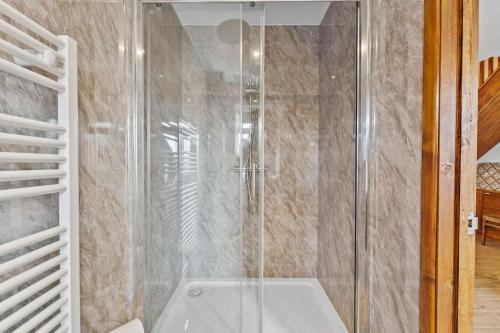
256, 132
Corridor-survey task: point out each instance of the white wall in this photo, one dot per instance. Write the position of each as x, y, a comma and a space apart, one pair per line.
493, 156
489, 46
489, 28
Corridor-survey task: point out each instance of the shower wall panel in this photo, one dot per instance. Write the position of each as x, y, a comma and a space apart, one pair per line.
394, 221
337, 157
102, 30
211, 95
164, 253
291, 151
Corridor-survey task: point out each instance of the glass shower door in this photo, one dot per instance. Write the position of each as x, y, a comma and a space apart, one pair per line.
203, 187
252, 165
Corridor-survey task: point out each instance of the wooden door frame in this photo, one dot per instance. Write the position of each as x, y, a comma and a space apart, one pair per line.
449, 132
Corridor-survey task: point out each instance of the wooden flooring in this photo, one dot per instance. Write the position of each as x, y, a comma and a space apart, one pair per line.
487, 290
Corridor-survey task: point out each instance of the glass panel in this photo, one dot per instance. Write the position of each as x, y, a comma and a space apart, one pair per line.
196, 180
252, 164
163, 71
214, 240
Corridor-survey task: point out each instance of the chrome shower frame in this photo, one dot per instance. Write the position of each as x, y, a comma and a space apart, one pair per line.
364, 143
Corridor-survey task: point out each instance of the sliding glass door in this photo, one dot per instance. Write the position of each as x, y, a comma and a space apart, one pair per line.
252, 175
203, 105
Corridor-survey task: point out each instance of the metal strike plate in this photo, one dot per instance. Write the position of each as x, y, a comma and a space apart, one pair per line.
473, 223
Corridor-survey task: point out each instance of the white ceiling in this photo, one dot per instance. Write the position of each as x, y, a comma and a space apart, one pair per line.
489, 46
277, 13
489, 29
492, 156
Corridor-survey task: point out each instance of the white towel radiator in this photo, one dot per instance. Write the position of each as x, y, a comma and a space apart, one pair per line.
23, 308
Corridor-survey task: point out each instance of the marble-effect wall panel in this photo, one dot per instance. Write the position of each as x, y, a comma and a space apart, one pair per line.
291, 151
102, 30
394, 212
337, 157
211, 104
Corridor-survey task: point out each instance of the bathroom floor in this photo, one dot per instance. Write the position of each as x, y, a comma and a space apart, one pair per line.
290, 306
487, 289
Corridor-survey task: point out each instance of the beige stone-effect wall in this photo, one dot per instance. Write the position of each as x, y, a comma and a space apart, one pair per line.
337, 157
394, 196
108, 271
291, 151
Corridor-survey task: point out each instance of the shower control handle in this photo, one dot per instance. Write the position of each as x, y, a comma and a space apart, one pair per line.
249, 169
250, 179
